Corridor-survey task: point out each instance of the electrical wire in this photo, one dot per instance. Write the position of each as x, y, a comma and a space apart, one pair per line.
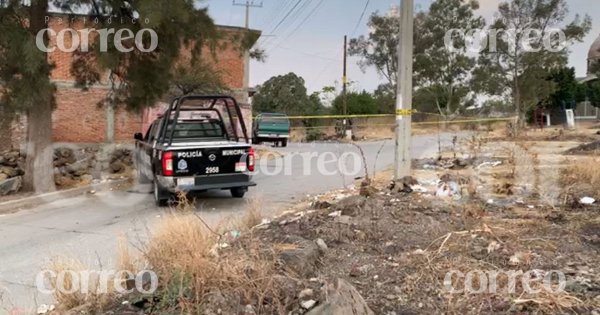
301, 23
362, 15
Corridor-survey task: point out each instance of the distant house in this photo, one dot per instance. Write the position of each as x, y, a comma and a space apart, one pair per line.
586, 110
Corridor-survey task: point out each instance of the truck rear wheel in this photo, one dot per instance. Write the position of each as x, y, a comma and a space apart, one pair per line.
284, 143
161, 198
238, 192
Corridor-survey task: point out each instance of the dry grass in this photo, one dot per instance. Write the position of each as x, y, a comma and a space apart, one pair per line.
584, 171
68, 289
186, 256
253, 215
582, 176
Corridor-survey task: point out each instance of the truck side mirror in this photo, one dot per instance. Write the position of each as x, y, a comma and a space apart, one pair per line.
138, 136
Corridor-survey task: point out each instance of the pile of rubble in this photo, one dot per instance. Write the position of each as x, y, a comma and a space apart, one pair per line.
85, 165
11, 170
72, 167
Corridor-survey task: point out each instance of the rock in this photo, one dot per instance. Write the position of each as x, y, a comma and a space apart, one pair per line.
368, 191
342, 299
60, 180
306, 293
343, 219
249, 309
303, 259
321, 243
3, 177
10, 186
403, 185
117, 167
43, 309
351, 205
307, 305
87, 178
319, 205
10, 171
79, 167
12, 156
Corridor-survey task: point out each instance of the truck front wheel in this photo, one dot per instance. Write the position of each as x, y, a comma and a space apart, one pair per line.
238, 192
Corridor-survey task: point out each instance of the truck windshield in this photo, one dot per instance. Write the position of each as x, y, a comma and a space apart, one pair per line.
197, 129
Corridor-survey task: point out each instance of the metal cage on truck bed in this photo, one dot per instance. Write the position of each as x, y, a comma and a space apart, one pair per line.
223, 106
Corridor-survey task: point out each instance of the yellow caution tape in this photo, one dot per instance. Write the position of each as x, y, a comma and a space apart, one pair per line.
422, 123
405, 112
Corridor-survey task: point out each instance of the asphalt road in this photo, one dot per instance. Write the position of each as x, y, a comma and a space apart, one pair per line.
87, 228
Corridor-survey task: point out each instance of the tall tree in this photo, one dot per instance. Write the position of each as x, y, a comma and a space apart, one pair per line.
26, 86
284, 94
520, 61
379, 49
443, 64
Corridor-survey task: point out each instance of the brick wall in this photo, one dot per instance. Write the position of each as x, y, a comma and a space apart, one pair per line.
227, 59
78, 118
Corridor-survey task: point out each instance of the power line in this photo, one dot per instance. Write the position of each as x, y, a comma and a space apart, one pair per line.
362, 15
293, 18
286, 16
301, 23
309, 54
270, 19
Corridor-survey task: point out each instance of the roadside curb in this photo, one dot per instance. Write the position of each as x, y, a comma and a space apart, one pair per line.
13, 206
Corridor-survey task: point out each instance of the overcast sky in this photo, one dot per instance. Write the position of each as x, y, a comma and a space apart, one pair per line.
311, 44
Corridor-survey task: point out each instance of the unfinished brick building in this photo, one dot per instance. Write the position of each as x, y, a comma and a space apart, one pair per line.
78, 117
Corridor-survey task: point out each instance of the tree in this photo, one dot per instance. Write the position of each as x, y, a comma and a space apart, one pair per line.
141, 78
567, 89
26, 86
361, 103
379, 49
199, 77
385, 97
518, 64
442, 75
284, 94
443, 68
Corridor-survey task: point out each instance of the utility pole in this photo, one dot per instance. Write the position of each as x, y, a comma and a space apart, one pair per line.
248, 4
345, 87
404, 90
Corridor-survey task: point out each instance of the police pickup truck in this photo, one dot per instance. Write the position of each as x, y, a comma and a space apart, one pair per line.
200, 143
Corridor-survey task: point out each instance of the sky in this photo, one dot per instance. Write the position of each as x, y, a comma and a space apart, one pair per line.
309, 42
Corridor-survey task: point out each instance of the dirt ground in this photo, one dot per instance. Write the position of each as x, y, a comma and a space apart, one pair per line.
488, 206
512, 215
